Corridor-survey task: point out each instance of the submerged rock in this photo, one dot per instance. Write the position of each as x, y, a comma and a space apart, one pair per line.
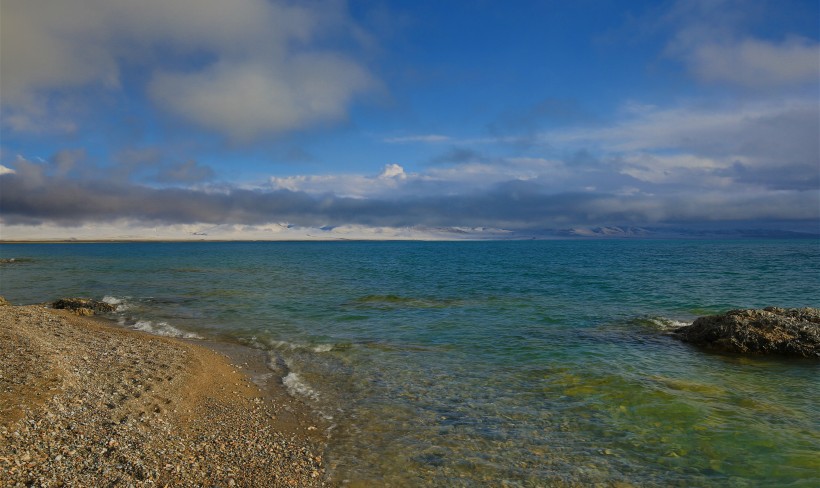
772, 330
83, 306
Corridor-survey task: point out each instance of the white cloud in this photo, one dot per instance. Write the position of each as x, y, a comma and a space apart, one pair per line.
473, 175
246, 100
354, 186
757, 63
675, 168
717, 43
242, 68
654, 127
393, 171
693, 146
6, 171
394, 181
391, 178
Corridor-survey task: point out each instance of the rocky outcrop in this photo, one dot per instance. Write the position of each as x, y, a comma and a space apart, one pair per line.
83, 306
772, 330
4, 302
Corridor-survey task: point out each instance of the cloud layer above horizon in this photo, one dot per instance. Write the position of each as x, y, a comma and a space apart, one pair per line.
253, 113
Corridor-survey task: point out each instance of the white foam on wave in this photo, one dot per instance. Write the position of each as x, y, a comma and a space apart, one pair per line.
282, 345
292, 346
297, 387
163, 329
120, 303
667, 323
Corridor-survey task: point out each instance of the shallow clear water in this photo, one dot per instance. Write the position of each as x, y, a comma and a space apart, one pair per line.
472, 363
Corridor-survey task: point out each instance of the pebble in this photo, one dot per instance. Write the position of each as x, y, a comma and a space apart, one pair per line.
76, 393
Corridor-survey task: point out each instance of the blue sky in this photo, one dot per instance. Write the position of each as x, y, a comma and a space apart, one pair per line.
389, 119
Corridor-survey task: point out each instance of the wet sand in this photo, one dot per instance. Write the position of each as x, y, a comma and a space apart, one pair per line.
86, 403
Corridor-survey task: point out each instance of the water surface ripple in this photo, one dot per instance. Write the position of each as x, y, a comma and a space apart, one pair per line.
544, 363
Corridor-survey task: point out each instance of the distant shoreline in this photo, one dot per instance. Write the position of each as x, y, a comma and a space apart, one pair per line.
719, 237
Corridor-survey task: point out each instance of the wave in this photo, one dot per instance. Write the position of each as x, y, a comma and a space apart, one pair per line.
662, 323
160, 329
277, 345
297, 387
120, 303
155, 327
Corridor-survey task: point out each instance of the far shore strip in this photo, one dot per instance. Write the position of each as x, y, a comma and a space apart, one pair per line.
86, 403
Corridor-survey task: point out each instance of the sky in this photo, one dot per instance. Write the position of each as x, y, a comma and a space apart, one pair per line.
271, 119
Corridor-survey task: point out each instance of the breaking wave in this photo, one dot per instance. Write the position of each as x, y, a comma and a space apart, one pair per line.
161, 329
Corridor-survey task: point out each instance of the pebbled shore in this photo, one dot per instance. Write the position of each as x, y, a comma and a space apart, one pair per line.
83, 403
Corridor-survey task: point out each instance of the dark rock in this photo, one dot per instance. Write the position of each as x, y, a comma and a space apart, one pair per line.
772, 330
83, 306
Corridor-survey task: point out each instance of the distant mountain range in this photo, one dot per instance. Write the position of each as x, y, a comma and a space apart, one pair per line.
665, 233
618, 232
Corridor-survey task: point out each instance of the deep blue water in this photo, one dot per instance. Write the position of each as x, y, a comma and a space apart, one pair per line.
473, 363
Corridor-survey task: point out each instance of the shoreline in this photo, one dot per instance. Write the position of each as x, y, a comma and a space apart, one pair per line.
84, 401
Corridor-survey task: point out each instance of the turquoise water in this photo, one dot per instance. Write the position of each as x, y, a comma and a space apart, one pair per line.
538, 363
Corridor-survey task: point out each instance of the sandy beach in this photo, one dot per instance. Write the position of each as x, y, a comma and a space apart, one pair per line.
85, 403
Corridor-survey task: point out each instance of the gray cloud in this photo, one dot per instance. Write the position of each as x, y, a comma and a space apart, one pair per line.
248, 68
689, 147
784, 134
30, 196
262, 67
791, 177
713, 40
147, 164
245, 100
757, 63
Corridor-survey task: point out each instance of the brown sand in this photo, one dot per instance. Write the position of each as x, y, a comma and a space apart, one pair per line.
84, 403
